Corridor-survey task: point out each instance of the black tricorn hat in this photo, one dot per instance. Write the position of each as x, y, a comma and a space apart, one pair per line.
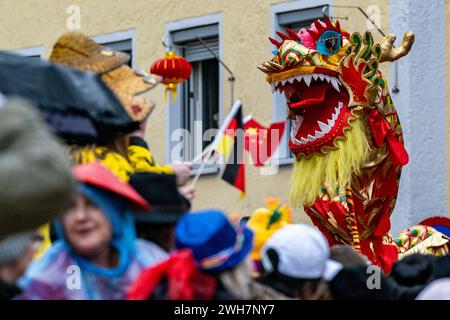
167, 204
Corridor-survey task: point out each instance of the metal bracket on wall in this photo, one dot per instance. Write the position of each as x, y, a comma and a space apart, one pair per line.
231, 78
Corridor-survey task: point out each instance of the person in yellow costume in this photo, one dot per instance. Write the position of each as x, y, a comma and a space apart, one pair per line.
127, 154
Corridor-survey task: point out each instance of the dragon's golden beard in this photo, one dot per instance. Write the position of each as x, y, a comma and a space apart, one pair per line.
331, 170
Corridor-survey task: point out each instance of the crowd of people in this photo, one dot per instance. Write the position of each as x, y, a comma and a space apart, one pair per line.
104, 221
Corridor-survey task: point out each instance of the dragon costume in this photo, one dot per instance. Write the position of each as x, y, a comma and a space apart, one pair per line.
345, 132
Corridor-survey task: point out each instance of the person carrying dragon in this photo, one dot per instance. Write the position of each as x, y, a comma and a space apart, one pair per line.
346, 134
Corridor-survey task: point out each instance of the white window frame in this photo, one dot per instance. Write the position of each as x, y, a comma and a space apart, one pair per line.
279, 108
173, 118
126, 35
30, 52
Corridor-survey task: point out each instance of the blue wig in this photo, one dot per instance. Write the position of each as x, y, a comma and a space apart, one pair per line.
119, 214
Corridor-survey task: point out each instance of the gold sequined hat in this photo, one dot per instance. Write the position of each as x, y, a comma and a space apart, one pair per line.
127, 84
80, 52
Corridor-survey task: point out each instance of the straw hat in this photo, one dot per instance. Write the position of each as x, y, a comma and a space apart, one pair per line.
126, 84
79, 51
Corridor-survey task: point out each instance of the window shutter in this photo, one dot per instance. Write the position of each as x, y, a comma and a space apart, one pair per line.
193, 49
123, 45
196, 51
299, 17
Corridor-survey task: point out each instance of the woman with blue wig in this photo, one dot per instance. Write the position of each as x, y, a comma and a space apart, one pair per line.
97, 255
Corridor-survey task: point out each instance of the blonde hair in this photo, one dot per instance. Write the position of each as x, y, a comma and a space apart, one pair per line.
331, 170
86, 154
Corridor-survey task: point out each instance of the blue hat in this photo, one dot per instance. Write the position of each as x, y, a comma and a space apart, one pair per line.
216, 244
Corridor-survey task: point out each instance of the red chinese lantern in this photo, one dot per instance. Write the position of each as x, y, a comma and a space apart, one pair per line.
173, 69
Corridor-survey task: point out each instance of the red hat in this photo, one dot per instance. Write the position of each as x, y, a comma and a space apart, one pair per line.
440, 223
97, 175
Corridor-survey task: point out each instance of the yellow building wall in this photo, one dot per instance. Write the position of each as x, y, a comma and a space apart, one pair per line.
246, 26
447, 74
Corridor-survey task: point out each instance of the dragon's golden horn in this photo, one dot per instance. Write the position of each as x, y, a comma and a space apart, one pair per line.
263, 69
388, 53
274, 65
270, 66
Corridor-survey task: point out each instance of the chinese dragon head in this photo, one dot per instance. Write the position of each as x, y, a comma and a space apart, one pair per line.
345, 132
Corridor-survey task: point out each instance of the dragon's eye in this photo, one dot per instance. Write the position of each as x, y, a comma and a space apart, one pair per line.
329, 43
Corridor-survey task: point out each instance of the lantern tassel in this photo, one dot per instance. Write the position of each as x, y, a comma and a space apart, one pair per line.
172, 87
174, 95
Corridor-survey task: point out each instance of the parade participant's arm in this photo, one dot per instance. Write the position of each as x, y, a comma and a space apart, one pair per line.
188, 192
183, 172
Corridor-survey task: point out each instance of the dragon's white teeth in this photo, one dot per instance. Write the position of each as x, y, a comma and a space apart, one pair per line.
283, 82
339, 82
321, 76
299, 78
315, 76
297, 122
323, 127
334, 83
319, 134
307, 79
331, 123
272, 85
276, 86
293, 133
327, 78
335, 115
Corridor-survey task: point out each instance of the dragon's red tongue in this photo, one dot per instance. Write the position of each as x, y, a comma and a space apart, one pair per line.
312, 95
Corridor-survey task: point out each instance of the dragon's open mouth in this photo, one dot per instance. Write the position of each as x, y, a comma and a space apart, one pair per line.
318, 109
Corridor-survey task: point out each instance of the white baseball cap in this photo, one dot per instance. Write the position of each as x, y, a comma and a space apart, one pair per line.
2, 100
436, 290
303, 253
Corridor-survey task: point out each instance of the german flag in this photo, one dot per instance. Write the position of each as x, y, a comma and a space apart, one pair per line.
231, 147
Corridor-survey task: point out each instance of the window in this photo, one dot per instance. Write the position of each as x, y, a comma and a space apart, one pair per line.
200, 100
198, 97
119, 41
295, 19
124, 46
33, 53
298, 19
